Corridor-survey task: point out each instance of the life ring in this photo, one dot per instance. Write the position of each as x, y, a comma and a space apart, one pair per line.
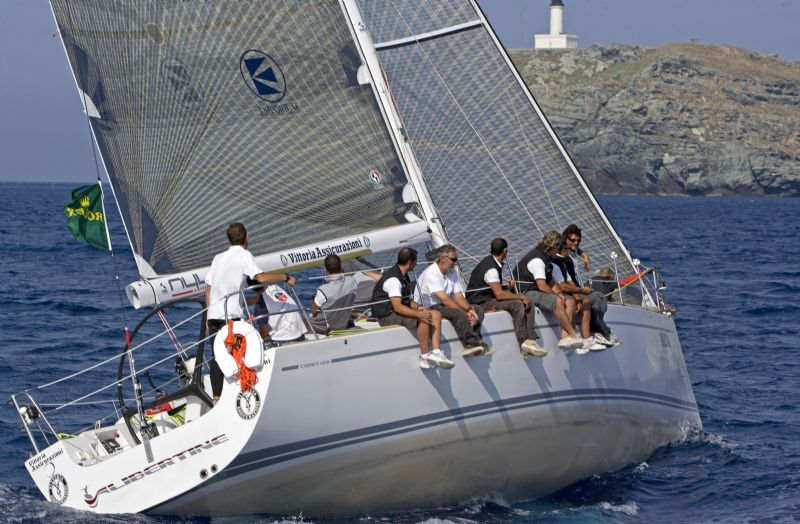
253, 357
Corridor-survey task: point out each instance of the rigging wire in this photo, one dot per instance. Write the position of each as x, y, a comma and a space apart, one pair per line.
93, 146
533, 157
466, 118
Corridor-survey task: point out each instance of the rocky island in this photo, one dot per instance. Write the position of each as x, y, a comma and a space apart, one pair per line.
682, 119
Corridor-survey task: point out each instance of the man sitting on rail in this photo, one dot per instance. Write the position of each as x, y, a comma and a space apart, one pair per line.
439, 288
563, 269
598, 303
534, 274
332, 307
485, 290
393, 304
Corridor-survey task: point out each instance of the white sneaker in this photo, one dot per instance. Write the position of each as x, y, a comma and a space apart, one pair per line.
614, 339
472, 351
438, 359
570, 342
581, 350
593, 345
532, 348
423, 362
600, 339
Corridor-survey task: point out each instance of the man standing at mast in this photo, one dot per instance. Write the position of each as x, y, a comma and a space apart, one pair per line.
226, 278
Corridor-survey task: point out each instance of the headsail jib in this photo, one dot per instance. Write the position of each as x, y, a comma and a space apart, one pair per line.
491, 162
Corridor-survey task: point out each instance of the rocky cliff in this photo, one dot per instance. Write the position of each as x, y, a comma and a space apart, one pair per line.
678, 119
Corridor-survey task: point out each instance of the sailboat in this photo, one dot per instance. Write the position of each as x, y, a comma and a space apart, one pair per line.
353, 127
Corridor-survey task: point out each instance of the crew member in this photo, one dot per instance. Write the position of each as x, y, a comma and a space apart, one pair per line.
332, 307
485, 290
394, 304
224, 283
439, 288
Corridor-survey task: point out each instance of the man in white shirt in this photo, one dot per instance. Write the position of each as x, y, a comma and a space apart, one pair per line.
393, 303
284, 318
439, 287
227, 277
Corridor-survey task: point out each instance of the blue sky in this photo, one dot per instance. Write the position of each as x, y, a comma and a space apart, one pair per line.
44, 136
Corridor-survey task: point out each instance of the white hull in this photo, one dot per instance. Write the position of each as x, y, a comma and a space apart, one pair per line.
351, 424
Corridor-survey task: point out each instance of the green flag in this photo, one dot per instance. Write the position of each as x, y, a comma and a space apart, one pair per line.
87, 219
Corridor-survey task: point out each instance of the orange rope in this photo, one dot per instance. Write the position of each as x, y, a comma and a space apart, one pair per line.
632, 278
237, 345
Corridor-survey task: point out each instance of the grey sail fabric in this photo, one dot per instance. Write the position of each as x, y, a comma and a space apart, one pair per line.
232, 110
487, 158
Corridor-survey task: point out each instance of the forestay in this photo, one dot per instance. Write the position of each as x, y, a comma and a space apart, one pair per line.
489, 158
231, 110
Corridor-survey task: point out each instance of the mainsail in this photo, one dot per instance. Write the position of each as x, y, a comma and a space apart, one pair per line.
490, 160
208, 113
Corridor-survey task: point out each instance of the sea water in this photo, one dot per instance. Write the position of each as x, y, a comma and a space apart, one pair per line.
732, 266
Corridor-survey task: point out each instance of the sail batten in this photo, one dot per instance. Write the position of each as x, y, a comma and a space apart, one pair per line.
427, 36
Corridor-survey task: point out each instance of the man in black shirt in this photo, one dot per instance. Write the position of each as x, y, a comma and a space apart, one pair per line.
534, 274
598, 303
486, 290
393, 304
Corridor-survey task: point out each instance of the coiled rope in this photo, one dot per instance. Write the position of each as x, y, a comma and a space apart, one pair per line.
237, 345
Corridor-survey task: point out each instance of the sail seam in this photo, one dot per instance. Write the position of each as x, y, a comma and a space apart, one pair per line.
469, 122
533, 158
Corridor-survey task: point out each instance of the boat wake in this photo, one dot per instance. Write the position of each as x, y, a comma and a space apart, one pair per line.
699, 436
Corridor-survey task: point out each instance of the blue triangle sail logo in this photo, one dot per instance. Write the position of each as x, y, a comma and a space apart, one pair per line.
262, 75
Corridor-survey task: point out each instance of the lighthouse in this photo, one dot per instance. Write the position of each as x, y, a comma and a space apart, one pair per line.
556, 39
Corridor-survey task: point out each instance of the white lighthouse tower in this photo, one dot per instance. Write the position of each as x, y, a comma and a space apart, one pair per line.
556, 39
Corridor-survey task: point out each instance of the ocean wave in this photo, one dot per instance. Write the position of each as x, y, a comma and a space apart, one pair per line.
629, 508
699, 436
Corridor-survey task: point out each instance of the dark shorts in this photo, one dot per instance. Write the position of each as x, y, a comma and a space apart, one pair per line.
393, 319
261, 313
544, 301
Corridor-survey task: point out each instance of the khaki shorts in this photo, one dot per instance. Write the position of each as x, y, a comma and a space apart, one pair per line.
544, 301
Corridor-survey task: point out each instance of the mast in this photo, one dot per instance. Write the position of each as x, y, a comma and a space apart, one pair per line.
380, 87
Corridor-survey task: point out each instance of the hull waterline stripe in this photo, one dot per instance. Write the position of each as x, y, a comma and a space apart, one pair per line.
287, 452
